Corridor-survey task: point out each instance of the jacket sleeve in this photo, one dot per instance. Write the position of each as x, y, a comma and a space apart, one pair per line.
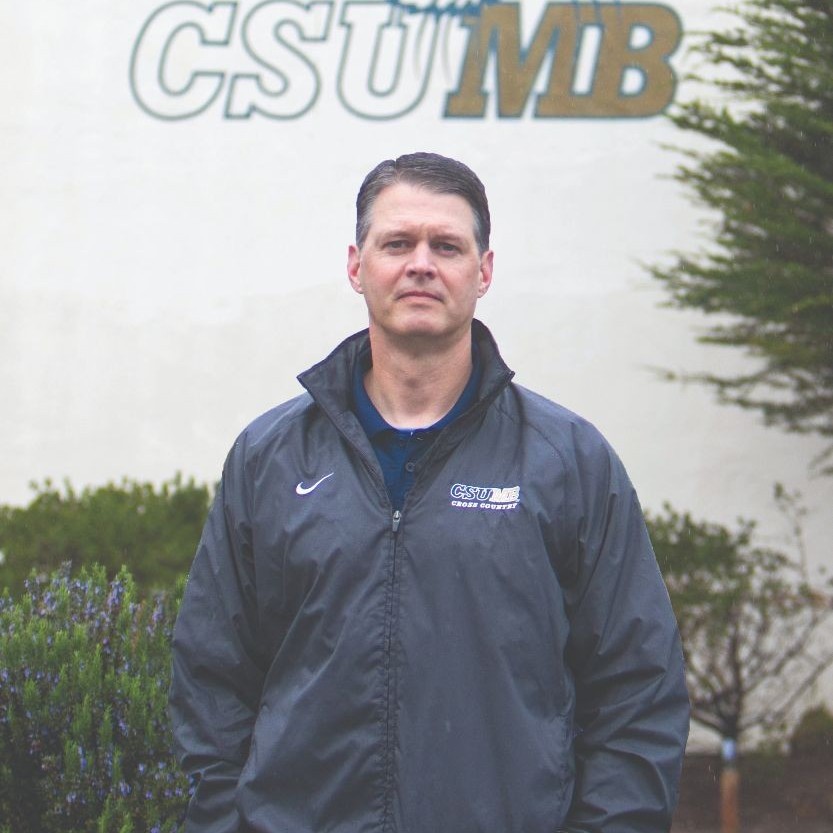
632, 707
217, 675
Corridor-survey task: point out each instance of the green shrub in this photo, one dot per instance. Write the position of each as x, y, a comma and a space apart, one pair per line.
152, 531
85, 745
749, 618
813, 734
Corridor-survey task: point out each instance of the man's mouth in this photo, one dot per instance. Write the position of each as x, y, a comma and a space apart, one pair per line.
417, 293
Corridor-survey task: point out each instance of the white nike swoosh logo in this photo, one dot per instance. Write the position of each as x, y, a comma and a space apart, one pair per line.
305, 490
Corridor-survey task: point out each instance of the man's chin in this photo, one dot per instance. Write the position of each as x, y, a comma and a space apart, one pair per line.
421, 326
427, 334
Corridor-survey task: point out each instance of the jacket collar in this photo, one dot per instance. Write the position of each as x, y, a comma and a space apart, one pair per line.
329, 382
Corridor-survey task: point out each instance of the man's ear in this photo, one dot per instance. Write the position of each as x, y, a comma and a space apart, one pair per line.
354, 262
487, 260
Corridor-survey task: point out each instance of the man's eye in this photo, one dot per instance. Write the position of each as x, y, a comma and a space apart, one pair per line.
447, 248
395, 244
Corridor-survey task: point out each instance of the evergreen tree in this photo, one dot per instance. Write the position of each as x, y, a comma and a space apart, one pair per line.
770, 180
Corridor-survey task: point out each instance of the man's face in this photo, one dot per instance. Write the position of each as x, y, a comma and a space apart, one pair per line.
419, 268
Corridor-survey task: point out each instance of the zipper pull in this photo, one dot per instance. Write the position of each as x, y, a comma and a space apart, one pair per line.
397, 517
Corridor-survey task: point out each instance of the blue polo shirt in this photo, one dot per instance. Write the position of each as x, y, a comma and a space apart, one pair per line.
399, 449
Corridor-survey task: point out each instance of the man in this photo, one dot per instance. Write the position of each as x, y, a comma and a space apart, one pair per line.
425, 599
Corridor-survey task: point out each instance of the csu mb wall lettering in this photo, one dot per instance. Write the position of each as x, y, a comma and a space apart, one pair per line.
588, 59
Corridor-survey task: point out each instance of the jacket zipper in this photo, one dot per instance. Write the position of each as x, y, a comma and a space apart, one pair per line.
387, 824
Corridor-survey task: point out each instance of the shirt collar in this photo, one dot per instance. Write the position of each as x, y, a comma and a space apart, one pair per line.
373, 422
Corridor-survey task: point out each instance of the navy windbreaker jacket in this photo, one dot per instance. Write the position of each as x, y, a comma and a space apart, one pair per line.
502, 658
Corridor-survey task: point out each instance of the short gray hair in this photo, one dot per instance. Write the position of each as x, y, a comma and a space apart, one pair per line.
434, 173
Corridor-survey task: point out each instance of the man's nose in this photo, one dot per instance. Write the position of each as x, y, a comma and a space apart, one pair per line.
422, 260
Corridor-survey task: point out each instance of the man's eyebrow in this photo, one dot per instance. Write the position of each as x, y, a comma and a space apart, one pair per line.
395, 231
408, 230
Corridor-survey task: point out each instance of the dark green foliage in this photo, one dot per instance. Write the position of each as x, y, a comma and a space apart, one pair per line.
152, 532
770, 180
813, 735
85, 745
749, 621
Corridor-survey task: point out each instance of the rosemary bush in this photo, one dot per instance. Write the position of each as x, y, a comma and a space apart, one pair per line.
85, 745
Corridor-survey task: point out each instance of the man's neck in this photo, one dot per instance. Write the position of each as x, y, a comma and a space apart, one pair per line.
414, 387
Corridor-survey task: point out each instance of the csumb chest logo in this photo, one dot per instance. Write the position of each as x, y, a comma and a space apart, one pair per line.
485, 497
379, 58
